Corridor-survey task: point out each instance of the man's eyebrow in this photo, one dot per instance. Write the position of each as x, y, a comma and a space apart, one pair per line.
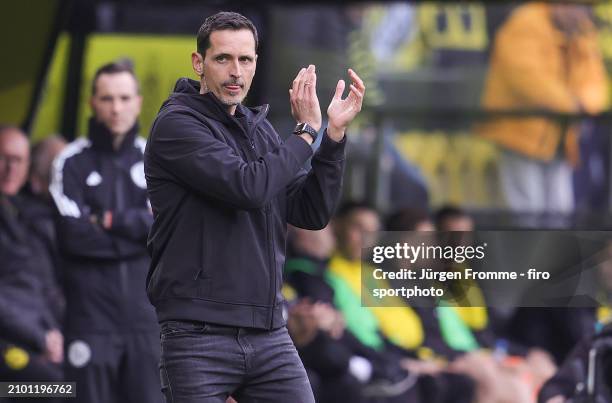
229, 55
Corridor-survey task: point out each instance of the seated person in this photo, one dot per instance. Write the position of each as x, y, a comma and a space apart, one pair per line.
570, 382
31, 342
458, 336
363, 335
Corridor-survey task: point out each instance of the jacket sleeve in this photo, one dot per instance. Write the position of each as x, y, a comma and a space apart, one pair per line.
326, 356
132, 223
573, 371
76, 234
312, 197
186, 148
17, 329
521, 50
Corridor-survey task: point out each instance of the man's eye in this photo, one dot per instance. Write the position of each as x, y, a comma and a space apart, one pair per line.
221, 58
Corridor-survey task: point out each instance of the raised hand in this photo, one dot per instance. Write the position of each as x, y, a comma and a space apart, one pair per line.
341, 112
303, 97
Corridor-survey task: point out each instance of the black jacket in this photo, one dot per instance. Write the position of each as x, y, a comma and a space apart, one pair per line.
223, 189
575, 370
105, 270
554, 329
30, 301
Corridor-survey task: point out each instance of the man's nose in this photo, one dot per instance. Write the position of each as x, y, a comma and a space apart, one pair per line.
116, 106
235, 70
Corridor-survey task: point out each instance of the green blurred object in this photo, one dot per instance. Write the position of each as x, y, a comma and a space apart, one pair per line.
48, 117
27, 35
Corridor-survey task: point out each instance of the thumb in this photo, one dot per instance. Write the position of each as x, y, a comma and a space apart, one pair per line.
339, 90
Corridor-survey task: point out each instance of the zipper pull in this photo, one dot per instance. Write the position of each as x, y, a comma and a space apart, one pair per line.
252, 143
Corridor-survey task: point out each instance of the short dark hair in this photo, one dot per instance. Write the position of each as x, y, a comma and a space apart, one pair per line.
115, 67
221, 21
348, 207
448, 212
406, 219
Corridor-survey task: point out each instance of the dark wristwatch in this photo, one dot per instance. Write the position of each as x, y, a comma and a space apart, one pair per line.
306, 128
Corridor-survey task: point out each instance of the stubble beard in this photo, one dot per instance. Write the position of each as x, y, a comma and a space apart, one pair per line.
230, 102
224, 101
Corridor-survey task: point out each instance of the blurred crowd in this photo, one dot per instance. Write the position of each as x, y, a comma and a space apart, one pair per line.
74, 220
410, 353
74, 224
351, 352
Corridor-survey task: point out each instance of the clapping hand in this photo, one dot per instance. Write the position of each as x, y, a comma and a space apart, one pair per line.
341, 112
303, 97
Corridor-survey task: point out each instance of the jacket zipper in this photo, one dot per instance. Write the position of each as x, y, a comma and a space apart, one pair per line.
119, 206
270, 239
274, 283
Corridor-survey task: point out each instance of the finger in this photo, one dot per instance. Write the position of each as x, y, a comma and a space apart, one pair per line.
313, 86
299, 94
311, 91
356, 80
306, 82
296, 82
297, 77
339, 90
355, 98
356, 91
357, 88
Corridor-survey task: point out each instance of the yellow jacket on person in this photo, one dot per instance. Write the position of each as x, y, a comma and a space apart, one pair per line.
535, 66
399, 323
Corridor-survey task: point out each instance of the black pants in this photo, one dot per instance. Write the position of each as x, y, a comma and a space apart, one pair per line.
110, 368
204, 363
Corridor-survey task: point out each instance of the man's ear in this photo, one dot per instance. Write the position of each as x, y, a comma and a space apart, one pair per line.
139, 101
197, 62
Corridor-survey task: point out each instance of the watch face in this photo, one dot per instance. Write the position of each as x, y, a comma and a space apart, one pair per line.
299, 128
305, 128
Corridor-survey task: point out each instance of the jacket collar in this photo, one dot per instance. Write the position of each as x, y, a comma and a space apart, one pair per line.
187, 93
102, 139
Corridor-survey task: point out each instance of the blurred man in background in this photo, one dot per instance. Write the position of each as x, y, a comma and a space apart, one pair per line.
38, 208
43, 154
545, 58
31, 342
98, 185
